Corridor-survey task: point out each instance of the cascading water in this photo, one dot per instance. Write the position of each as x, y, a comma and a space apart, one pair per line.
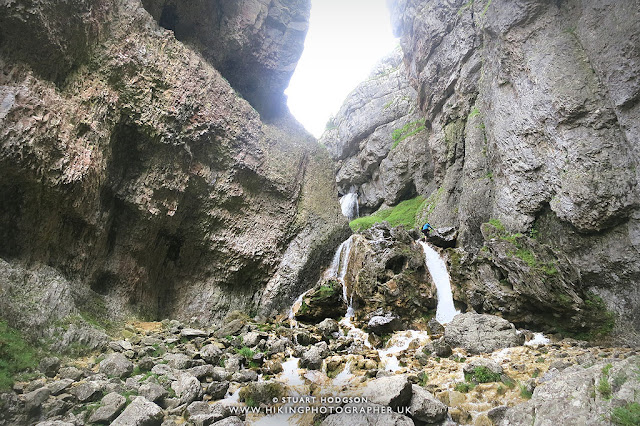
445, 310
349, 205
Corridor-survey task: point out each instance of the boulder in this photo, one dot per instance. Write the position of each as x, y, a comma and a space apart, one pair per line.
262, 392
217, 390
153, 392
322, 302
312, 358
49, 366
444, 237
569, 398
87, 391
116, 365
378, 416
328, 327
425, 407
393, 391
211, 353
140, 412
481, 333
191, 333
110, 406
386, 324
187, 388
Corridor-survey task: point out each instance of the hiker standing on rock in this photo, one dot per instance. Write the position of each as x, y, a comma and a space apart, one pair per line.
426, 228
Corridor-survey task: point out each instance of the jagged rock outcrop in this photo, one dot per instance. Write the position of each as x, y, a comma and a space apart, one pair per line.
531, 112
254, 44
378, 139
131, 166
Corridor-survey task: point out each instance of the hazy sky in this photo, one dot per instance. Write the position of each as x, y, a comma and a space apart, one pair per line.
345, 40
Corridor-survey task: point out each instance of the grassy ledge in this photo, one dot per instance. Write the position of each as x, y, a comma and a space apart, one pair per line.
402, 214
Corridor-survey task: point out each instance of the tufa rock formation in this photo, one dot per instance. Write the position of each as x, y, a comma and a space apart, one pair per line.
132, 167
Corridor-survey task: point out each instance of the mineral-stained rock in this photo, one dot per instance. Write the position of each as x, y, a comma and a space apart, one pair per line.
481, 333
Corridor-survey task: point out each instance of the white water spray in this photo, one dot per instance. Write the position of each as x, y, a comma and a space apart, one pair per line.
349, 205
438, 270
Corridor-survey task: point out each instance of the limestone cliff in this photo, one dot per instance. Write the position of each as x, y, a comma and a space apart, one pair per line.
134, 168
377, 141
531, 112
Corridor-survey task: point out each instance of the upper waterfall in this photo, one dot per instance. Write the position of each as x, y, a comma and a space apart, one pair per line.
349, 205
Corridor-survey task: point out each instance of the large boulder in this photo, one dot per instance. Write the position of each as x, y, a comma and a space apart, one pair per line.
140, 413
481, 333
116, 365
324, 301
392, 391
425, 407
570, 398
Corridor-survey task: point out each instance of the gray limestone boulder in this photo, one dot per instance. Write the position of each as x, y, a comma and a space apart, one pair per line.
153, 392
230, 421
575, 397
378, 416
34, 399
481, 333
425, 407
191, 333
384, 324
110, 406
211, 353
187, 388
328, 326
140, 413
393, 391
87, 391
217, 390
312, 358
116, 365
49, 366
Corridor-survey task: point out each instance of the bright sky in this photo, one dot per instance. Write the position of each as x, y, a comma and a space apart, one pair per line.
345, 40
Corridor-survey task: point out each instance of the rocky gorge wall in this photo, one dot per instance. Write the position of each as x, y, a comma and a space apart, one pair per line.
530, 112
136, 171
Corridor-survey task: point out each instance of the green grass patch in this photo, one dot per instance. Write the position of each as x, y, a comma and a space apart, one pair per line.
402, 214
482, 375
246, 352
627, 415
423, 378
524, 392
464, 387
16, 355
409, 129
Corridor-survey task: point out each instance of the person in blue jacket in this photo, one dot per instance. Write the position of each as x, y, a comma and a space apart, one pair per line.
426, 228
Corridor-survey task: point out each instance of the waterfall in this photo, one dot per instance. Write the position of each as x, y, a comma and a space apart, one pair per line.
445, 310
349, 205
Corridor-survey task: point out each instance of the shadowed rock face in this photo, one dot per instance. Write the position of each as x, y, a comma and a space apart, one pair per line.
255, 44
145, 177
